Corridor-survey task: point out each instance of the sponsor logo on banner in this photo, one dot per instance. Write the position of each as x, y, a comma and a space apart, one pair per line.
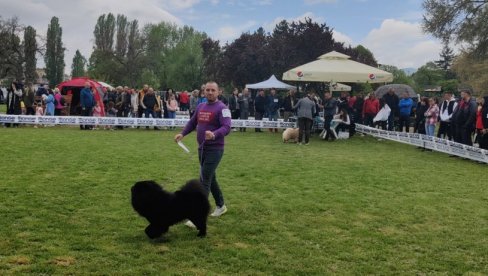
288, 124
237, 123
372, 76
456, 147
87, 121
122, 121
28, 119
107, 121
66, 120
7, 119
270, 124
475, 152
161, 122
145, 122
47, 120
253, 123
180, 122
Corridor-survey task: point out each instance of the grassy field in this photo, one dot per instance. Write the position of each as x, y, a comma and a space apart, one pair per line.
348, 207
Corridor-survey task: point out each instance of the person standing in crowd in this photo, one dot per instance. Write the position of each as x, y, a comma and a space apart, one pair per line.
222, 98
446, 110
234, 106
273, 105
87, 102
134, 103
201, 97
357, 108
193, 101
28, 99
342, 118
184, 101
172, 106
244, 102
464, 118
288, 104
126, 101
58, 106
330, 109
405, 106
371, 107
148, 103
422, 107
49, 101
305, 108
391, 99
14, 97
431, 116
144, 90
212, 121
259, 107
483, 135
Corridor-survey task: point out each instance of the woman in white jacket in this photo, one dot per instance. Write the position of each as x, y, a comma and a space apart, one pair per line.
341, 118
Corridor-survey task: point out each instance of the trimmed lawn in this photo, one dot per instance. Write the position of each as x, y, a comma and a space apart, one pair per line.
348, 207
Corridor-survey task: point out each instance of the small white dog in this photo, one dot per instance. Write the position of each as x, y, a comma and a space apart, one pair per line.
290, 134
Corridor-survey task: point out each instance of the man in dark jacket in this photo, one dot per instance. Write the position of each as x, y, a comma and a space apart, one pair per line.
273, 104
87, 102
392, 100
288, 104
259, 107
464, 118
330, 107
14, 97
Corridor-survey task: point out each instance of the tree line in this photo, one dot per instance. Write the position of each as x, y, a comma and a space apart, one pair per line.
165, 55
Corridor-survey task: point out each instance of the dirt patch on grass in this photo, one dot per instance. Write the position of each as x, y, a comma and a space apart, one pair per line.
64, 261
19, 260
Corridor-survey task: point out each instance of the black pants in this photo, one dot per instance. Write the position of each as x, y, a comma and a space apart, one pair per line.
87, 112
327, 120
30, 111
368, 119
304, 126
465, 135
404, 121
483, 140
444, 130
419, 126
258, 116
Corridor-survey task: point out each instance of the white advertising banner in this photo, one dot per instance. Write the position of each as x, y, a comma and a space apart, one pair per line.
428, 142
119, 121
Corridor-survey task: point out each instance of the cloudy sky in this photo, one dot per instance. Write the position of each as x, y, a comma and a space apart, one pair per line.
389, 28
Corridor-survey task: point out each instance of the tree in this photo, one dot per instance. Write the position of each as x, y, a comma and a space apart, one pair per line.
30, 50
399, 76
472, 72
54, 57
78, 65
447, 57
461, 20
104, 32
11, 53
212, 58
426, 75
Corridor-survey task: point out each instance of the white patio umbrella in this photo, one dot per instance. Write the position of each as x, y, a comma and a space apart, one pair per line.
106, 85
336, 67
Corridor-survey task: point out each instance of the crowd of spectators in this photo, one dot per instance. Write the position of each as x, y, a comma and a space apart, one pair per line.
459, 119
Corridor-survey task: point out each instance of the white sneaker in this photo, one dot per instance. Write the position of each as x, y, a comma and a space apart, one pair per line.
190, 224
219, 211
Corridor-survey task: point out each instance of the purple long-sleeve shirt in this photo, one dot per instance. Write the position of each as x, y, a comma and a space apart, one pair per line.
215, 117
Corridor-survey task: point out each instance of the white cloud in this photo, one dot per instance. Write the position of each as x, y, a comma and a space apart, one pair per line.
340, 37
78, 18
181, 4
314, 2
402, 44
229, 33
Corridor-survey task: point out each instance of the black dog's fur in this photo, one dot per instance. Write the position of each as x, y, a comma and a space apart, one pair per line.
163, 209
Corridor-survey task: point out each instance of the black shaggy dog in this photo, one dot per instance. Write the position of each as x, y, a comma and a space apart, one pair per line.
163, 209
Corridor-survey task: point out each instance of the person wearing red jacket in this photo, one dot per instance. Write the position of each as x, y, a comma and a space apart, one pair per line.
371, 107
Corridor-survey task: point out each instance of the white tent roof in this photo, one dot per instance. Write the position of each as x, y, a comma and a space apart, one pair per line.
337, 67
272, 82
104, 84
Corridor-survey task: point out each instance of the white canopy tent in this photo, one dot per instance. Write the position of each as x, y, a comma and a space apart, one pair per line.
336, 67
272, 82
106, 85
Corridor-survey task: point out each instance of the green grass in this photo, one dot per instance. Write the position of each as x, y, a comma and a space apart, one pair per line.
348, 207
